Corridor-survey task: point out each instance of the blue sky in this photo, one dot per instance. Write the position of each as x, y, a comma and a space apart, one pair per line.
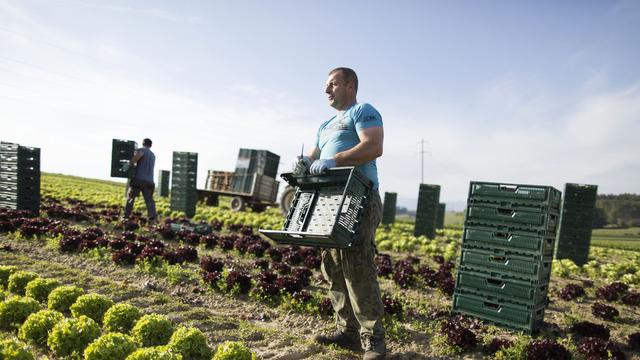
540, 92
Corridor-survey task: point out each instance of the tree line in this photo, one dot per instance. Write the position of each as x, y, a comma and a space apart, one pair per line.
617, 210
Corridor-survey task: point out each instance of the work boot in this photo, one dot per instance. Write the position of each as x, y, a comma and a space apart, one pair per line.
344, 339
374, 348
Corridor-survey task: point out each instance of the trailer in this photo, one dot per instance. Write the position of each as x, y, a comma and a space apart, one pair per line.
256, 191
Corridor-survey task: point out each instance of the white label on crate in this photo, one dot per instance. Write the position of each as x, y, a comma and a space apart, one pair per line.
345, 206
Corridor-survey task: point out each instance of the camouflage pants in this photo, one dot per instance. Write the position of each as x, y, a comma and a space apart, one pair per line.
353, 279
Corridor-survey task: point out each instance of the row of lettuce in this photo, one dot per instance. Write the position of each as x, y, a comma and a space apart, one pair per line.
609, 264
67, 322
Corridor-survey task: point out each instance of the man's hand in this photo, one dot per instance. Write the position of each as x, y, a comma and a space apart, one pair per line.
321, 165
301, 165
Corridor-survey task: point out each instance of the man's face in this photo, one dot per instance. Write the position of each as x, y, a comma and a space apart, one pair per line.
337, 91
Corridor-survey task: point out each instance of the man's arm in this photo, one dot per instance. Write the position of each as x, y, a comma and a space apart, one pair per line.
314, 154
136, 157
369, 148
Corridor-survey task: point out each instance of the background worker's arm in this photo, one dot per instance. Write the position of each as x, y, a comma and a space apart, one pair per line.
369, 148
136, 157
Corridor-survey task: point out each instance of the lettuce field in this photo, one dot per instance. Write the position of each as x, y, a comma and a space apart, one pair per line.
77, 282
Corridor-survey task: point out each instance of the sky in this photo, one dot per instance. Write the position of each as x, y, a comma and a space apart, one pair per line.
536, 92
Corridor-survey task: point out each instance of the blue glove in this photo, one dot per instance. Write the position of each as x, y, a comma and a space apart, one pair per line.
321, 165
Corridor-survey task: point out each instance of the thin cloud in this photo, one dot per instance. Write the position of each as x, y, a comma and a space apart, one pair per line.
594, 141
147, 12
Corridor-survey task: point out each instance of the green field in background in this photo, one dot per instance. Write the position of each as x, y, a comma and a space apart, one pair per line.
626, 239
454, 219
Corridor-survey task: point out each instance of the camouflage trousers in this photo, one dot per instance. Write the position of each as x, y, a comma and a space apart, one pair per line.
353, 281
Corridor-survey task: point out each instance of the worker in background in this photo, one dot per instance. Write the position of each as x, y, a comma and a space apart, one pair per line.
353, 137
144, 161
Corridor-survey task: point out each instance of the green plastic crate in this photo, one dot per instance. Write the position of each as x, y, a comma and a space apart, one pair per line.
515, 193
522, 216
528, 267
496, 284
389, 208
12, 178
29, 187
121, 153
11, 168
182, 180
427, 210
574, 236
440, 216
19, 177
252, 161
185, 157
499, 312
164, 177
326, 210
512, 239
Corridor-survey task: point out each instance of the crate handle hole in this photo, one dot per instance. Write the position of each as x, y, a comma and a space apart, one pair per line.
503, 235
495, 282
492, 306
503, 211
496, 258
510, 188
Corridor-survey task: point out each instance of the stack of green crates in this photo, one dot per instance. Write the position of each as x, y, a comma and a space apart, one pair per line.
263, 162
121, 154
576, 222
184, 195
440, 216
19, 177
427, 210
507, 250
163, 182
389, 208
252, 162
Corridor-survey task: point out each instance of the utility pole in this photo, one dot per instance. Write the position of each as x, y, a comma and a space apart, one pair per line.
422, 162
422, 152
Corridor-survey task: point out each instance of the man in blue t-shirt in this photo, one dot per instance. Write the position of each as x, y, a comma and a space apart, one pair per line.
144, 160
353, 137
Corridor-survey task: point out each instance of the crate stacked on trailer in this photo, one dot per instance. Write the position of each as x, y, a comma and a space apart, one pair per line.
507, 250
574, 236
19, 177
251, 162
252, 184
442, 207
163, 182
184, 195
121, 155
326, 210
427, 210
389, 208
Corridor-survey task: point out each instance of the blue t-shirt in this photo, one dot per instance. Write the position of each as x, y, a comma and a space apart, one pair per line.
340, 133
144, 169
